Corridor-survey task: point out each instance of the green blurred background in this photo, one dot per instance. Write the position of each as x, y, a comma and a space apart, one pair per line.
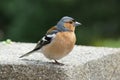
28, 20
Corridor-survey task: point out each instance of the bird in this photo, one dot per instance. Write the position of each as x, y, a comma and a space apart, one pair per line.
58, 41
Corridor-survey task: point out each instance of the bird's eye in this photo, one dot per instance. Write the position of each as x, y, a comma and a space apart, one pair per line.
70, 22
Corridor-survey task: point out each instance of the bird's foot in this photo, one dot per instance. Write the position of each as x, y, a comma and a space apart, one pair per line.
56, 62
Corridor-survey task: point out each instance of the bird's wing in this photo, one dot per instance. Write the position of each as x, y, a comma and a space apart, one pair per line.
44, 41
50, 35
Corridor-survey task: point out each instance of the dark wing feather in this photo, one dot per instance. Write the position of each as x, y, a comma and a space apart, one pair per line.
44, 41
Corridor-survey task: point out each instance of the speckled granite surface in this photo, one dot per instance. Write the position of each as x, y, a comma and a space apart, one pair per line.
83, 63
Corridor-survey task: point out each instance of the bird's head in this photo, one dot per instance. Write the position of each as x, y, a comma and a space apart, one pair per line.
67, 24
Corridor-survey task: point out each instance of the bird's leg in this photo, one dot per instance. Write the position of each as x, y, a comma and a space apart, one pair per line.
56, 62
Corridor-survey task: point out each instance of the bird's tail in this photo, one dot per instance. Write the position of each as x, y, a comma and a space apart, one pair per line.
27, 54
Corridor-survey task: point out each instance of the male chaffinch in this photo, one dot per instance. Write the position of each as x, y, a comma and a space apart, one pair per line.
58, 41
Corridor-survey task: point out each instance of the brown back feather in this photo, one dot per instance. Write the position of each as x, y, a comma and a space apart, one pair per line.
51, 29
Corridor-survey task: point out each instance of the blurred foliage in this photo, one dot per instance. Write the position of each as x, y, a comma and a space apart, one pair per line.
107, 42
28, 20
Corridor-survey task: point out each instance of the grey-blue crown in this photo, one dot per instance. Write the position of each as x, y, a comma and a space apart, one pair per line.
66, 19
60, 24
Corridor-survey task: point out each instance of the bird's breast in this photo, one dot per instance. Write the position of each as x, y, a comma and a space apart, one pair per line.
60, 46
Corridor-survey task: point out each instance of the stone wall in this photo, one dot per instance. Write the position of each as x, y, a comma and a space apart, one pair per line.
83, 63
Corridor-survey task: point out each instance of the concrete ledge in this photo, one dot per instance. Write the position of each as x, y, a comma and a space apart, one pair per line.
83, 63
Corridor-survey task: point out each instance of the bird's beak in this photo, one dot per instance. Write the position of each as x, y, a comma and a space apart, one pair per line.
77, 23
